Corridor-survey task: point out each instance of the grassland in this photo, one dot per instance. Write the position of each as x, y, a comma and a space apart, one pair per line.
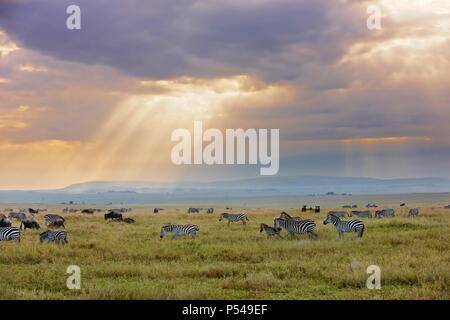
120, 261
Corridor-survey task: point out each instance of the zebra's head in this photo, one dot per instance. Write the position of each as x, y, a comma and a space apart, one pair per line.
43, 236
164, 230
331, 218
222, 215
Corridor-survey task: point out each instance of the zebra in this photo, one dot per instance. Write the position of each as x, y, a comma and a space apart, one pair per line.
340, 214
179, 230
296, 227
234, 217
9, 233
361, 214
414, 212
284, 215
54, 236
385, 213
54, 220
17, 215
345, 226
270, 231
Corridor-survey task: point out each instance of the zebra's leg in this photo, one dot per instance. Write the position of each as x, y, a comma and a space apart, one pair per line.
229, 221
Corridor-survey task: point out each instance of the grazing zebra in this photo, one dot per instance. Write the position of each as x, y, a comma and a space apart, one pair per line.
361, 214
179, 230
384, 213
54, 220
9, 233
340, 214
54, 236
414, 212
270, 231
17, 215
345, 226
284, 215
296, 227
234, 217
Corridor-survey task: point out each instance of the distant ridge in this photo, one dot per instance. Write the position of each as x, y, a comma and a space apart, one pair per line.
141, 191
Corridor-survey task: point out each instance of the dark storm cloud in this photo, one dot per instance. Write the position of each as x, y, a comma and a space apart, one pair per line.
163, 39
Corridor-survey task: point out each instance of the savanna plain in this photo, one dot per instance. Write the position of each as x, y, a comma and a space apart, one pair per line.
130, 261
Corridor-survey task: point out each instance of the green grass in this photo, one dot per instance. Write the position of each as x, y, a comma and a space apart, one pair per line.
120, 261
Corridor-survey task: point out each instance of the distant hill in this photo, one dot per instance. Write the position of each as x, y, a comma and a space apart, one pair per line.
145, 191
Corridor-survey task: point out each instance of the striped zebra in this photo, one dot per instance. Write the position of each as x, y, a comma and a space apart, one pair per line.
179, 230
234, 217
54, 236
54, 220
270, 231
285, 216
414, 212
9, 233
296, 227
345, 226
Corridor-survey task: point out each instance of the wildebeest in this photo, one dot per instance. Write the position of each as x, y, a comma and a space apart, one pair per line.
5, 222
270, 231
87, 211
29, 224
346, 207
210, 210
17, 215
340, 214
403, 204
193, 210
304, 209
361, 214
32, 211
128, 220
384, 213
113, 215
155, 210
414, 212
447, 207
317, 209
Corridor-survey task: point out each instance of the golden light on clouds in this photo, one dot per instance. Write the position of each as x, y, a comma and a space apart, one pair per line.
15, 119
6, 46
134, 140
31, 68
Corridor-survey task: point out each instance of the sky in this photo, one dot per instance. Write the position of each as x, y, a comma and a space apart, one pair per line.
100, 103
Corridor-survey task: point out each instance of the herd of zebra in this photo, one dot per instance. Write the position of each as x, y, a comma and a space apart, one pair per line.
292, 225
11, 233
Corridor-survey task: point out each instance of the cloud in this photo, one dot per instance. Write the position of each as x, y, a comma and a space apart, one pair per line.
160, 39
